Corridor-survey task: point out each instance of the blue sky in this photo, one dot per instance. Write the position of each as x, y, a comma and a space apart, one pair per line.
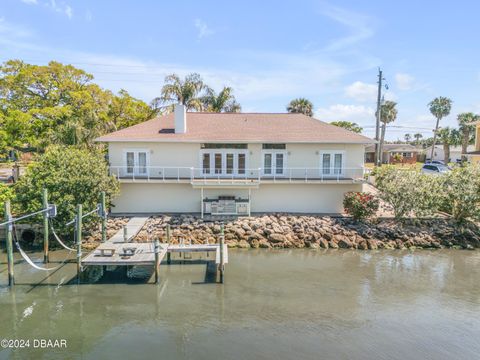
268, 51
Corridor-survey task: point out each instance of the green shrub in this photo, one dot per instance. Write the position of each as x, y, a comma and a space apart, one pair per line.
6, 193
461, 197
398, 157
360, 205
410, 192
72, 176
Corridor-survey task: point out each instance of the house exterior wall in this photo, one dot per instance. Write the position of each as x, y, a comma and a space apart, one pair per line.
412, 159
439, 153
169, 197
188, 154
475, 159
180, 198
311, 198
477, 137
370, 157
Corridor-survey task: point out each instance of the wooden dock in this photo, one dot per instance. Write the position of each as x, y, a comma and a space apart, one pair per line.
143, 254
129, 232
120, 250
201, 248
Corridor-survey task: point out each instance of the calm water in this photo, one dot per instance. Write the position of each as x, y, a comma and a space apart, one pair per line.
275, 305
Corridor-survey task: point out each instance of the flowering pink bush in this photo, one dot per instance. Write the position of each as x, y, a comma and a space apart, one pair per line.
360, 205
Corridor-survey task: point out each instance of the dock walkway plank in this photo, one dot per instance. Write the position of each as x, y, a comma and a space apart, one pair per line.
144, 252
134, 225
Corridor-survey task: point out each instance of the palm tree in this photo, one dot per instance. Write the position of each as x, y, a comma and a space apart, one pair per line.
388, 114
467, 129
439, 107
407, 137
448, 137
348, 125
223, 102
300, 105
417, 138
187, 92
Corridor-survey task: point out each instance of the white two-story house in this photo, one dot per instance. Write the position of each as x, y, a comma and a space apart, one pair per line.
234, 163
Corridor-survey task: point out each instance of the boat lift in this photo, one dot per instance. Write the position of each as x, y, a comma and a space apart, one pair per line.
49, 211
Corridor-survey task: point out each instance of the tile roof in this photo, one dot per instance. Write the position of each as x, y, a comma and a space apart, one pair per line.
394, 147
238, 127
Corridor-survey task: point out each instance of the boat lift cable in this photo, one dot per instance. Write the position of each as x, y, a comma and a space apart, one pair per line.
96, 210
57, 237
29, 260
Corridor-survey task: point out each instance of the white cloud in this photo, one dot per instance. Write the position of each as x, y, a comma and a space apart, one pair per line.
203, 29
30, 2
361, 91
12, 31
68, 11
276, 79
359, 114
404, 81
88, 16
60, 8
364, 92
359, 26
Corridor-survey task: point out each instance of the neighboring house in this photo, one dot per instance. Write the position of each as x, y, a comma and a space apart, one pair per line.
394, 153
234, 163
439, 153
474, 154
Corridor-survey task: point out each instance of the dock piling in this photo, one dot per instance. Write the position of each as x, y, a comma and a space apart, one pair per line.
222, 255
78, 233
169, 259
45, 226
8, 232
104, 216
157, 261
125, 233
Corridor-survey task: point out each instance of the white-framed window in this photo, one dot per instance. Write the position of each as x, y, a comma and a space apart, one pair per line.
136, 161
332, 163
224, 162
274, 162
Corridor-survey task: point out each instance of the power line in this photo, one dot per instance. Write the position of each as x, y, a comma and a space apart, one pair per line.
400, 127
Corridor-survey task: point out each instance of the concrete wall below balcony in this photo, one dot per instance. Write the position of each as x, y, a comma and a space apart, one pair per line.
178, 198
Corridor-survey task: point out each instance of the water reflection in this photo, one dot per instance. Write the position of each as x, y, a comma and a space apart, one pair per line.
274, 304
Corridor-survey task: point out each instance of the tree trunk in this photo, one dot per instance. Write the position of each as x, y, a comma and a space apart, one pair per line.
446, 153
434, 139
465, 139
382, 138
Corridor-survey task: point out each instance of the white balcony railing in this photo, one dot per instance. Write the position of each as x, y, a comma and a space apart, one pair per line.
169, 174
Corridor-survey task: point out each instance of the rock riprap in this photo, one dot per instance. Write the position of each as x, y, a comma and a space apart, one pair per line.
289, 231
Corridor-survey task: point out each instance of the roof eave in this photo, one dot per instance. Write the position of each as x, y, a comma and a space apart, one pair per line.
359, 142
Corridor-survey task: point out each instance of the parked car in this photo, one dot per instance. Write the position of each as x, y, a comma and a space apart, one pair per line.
435, 169
439, 162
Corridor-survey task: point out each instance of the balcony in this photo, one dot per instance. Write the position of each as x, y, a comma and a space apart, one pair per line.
253, 176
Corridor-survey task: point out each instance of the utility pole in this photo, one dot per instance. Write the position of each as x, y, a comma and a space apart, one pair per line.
378, 156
